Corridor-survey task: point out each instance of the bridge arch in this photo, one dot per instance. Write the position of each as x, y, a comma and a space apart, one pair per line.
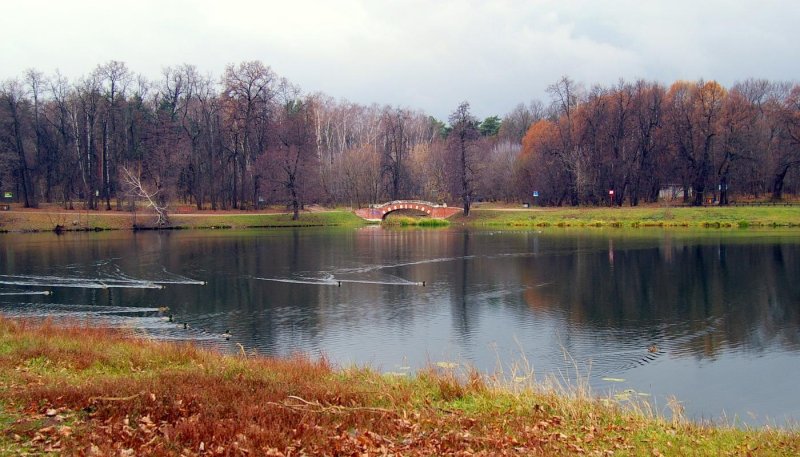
379, 212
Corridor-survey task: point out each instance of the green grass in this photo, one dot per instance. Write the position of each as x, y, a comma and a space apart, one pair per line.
639, 217
245, 220
406, 221
75, 390
624, 217
41, 221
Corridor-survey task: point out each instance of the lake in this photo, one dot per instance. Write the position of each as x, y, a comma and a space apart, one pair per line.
711, 318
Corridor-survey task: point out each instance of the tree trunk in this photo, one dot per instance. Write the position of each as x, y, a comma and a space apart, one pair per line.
723, 191
295, 202
466, 193
777, 183
105, 172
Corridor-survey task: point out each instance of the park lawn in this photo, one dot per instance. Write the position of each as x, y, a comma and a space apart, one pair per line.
247, 220
483, 215
42, 221
45, 221
637, 217
85, 391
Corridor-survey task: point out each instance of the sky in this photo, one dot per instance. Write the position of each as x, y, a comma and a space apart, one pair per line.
428, 55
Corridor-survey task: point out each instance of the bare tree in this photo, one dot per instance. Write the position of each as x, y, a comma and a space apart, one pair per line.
12, 98
516, 123
395, 151
114, 77
787, 155
248, 93
565, 94
463, 145
136, 189
292, 159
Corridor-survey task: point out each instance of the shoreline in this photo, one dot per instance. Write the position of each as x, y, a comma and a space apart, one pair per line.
482, 215
80, 390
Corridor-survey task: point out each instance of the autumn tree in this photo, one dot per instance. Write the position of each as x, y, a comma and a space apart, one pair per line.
539, 165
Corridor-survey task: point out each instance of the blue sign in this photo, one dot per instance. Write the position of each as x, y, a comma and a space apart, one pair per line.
535, 193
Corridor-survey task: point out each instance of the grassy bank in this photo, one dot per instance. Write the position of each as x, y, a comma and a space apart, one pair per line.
45, 220
95, 392
481, 216
639, 217
406, 221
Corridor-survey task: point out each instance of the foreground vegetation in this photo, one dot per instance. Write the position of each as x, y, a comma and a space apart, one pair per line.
95, 392
638, 217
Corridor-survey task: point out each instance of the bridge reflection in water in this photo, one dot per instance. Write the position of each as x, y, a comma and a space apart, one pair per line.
380, 211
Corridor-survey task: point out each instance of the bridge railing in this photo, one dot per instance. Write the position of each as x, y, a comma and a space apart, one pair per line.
406, 202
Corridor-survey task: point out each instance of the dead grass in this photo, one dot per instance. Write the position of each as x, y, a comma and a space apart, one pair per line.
83, 391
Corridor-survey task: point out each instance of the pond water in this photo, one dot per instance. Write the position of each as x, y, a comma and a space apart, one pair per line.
711, 318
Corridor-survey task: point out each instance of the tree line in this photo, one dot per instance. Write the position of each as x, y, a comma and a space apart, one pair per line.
252, 138
631, 141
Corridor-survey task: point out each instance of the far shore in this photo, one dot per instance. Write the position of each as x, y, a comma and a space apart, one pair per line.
55, 218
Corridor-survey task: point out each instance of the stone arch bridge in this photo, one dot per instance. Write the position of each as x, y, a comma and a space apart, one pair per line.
379, 212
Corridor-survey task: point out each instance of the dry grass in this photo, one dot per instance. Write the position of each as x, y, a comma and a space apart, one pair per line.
83, 391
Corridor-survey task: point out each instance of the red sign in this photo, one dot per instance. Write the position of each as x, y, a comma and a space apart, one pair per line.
610, 192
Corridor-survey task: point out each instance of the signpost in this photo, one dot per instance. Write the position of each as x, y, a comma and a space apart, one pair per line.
535, 196
611, 196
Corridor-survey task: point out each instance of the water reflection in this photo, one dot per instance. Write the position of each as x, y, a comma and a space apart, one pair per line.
702, 316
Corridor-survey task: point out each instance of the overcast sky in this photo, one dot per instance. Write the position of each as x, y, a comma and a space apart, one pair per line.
427, 55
